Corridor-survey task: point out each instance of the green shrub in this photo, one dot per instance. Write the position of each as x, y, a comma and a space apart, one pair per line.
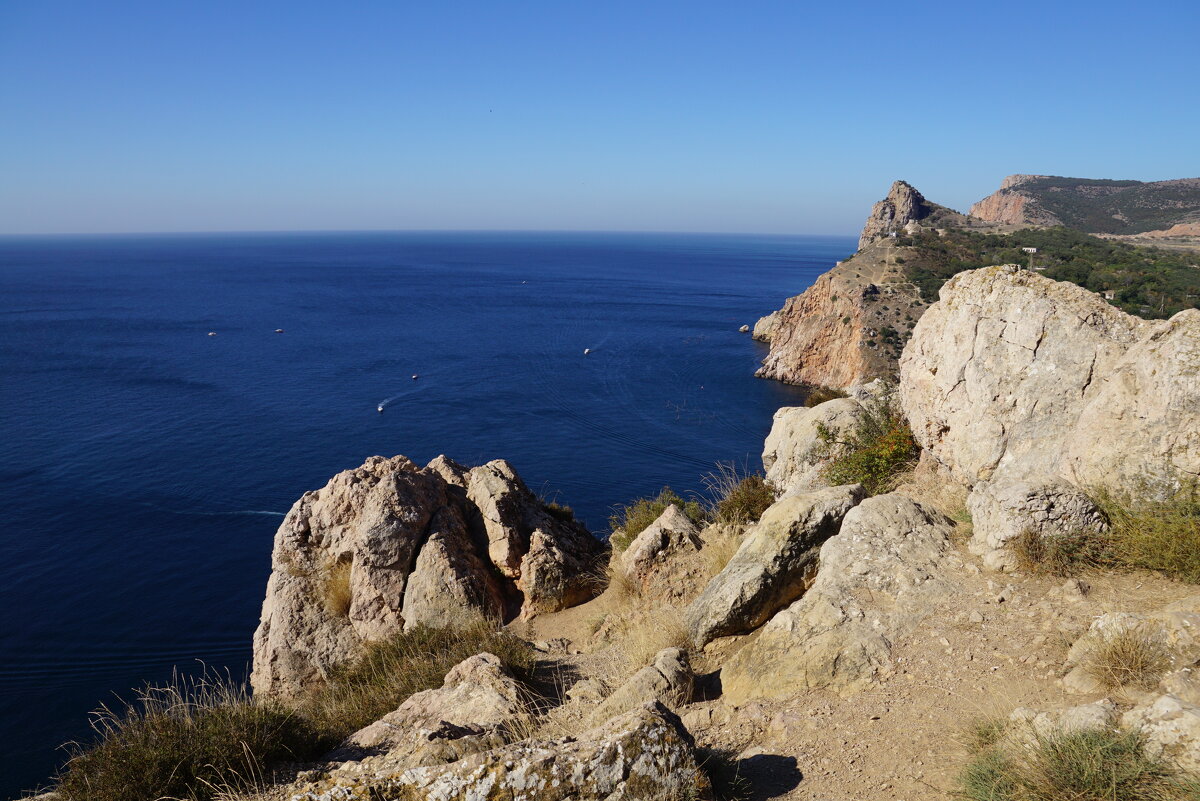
189, 740
559, 511
629, 521
738, 498
819, 395
1092, 765
878, 449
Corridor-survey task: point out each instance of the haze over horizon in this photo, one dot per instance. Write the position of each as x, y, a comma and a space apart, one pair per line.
765, 118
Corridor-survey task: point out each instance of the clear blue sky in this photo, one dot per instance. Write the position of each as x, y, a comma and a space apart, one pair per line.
784, 117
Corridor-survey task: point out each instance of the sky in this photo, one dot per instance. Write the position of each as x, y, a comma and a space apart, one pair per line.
756, 117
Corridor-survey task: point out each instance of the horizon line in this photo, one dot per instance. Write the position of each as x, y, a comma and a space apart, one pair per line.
218, 232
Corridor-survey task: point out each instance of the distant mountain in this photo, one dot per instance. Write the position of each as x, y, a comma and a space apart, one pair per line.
1096, 206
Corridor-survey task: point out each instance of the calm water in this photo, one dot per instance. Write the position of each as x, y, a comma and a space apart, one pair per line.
145, 465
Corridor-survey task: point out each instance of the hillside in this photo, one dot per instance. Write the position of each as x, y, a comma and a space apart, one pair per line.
1097, 206
850, 326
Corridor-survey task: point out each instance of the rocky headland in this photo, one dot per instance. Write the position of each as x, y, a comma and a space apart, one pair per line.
841, 640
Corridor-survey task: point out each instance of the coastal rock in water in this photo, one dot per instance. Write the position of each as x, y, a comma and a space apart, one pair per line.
773, 566
878, 578
643, 754
1012, 374
478, 695
793, 453
390, 545
1003, 510
668, 680
764, 329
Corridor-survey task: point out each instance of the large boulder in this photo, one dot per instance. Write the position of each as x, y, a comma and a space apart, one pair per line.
643, 754
774, 564
794, 454
389, 546
1011, 374
478, 695
879, 577
1004, 509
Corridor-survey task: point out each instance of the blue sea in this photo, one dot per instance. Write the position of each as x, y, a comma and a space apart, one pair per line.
145, 464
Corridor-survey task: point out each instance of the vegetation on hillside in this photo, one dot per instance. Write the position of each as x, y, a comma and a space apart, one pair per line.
626, 522
1113, 207
1149, 282
878, 450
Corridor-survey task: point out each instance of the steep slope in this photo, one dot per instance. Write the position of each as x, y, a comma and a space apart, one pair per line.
1092, 205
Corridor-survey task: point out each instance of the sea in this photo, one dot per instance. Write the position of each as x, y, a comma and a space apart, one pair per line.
155, 426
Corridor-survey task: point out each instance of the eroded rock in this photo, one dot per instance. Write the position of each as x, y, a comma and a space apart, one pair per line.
654, 560
774, 564
668, 680
879, 577
793, 453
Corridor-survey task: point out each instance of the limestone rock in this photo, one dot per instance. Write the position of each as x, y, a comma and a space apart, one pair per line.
745, 329
878, 578
793, 454
903, 205
764, 329
773, 565
390, 545
668, 680
1002, 510
643, 754
648, 561
997, 372
478, 695
1171, 727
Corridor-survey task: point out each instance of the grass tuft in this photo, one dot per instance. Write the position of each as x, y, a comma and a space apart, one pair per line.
1091, 765
1155, 532
335, 589
1132, 657
200, 739
724, 773
1063, 554
819, 395
738, 498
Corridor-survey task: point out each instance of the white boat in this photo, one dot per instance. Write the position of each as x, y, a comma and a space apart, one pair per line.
380, 408
586, 351
415, 376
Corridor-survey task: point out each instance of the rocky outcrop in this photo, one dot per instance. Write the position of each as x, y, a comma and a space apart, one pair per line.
1012, 375
667, 680
878, 578
643, 754
478, 696
773, 566
1045, 506
655, 560
903, 207
764, 329
1098, 206
793, 453
390, 545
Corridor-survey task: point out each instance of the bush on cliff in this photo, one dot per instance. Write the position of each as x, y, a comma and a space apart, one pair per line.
1089, 765
738, 498
878, 449
628, 521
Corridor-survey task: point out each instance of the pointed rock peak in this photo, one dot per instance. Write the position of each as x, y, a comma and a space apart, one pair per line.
903, 204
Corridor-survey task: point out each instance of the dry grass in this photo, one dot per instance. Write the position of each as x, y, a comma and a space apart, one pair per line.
1155, 531
1062, 554
721, 542
1094, 765
628, 521
738, 497
1131, 657
926, 486
335, 588
191, 739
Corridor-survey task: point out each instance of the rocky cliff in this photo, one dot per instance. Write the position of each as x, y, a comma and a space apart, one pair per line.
904, 207
1094, 206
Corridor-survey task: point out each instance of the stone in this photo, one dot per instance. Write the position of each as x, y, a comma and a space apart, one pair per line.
773, 565
1011, 374
903, 205
388, 546
793, 453
1171, 727
667, 680
643, 754
1002, 510
586, 690
477, 695
764, 329
745, 329
879, 577
647, 561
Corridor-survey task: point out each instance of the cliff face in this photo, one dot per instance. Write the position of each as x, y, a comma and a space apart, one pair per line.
903, 207
847, 327
1093, 206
